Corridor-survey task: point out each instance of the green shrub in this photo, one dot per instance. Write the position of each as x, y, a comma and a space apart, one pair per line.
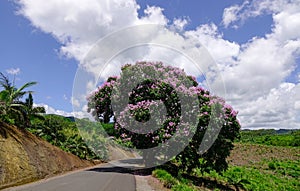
109, 128
64, 133
182, 187
286, 168
167, 179
253, 179
272, 165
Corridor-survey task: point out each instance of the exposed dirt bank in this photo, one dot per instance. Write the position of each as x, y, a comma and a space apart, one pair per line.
25, 158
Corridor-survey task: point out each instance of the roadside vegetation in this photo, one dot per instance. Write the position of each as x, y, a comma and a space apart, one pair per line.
248, 160
17, 108
253, 165
12, 109
64, 133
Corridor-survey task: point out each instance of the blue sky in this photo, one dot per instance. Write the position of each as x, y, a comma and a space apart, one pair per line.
35, 53
254, 43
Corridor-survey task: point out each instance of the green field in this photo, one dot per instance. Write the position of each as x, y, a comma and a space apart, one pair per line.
271, 137
262, 160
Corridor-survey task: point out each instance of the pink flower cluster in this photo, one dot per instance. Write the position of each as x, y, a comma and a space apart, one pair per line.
163, 77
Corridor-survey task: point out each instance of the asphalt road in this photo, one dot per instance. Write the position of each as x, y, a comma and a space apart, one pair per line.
106, 177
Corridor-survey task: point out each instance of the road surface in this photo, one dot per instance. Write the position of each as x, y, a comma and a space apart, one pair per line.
104, 177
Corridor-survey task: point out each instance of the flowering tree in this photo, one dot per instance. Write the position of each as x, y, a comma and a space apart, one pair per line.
100, 102
155, 105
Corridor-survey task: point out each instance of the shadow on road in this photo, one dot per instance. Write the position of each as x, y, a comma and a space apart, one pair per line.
112, 169
125, 166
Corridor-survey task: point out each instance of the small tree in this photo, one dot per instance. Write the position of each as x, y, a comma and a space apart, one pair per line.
13, 110
31, 111
165, 86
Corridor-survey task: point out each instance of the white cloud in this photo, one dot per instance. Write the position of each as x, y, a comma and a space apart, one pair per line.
180, 23
262, 65
240, 13
13, 71
277, 109
254, 72
153, 15
51, 110
79, 25
287, 23
221, 50
75, 102
230, 14
65, 97
297, 105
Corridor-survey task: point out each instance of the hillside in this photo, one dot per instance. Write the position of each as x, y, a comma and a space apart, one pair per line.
25, 158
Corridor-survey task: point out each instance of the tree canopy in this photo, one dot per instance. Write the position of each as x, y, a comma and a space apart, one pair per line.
147, 95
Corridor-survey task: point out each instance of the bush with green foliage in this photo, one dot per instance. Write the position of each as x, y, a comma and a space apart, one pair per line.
281, 175
62, 132
254, 179
147, 93
166, 178
172, 182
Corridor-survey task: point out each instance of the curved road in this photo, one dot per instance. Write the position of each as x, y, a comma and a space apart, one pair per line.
104, 177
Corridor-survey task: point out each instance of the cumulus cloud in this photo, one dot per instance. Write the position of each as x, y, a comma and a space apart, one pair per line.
13, 71
263, 64
50, 110
253, 73
75, 102
223, 51
79, 25
231, 15
279, 108
238, 14
180, 23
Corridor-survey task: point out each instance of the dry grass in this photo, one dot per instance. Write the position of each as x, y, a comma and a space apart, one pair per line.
251, 155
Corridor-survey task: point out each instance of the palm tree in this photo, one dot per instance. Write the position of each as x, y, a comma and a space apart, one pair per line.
12, 107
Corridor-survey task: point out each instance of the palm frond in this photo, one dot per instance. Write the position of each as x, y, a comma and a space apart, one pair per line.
28, 84
19, 93
4, 81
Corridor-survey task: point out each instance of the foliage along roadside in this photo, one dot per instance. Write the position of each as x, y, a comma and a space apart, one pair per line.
249, 178
251, 167
62, 132
12, 109
279, 176
170, 182
57, 130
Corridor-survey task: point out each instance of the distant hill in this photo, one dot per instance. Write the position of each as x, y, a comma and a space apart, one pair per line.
272, 131
71, 118
280, 137
284, 131
26, 158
